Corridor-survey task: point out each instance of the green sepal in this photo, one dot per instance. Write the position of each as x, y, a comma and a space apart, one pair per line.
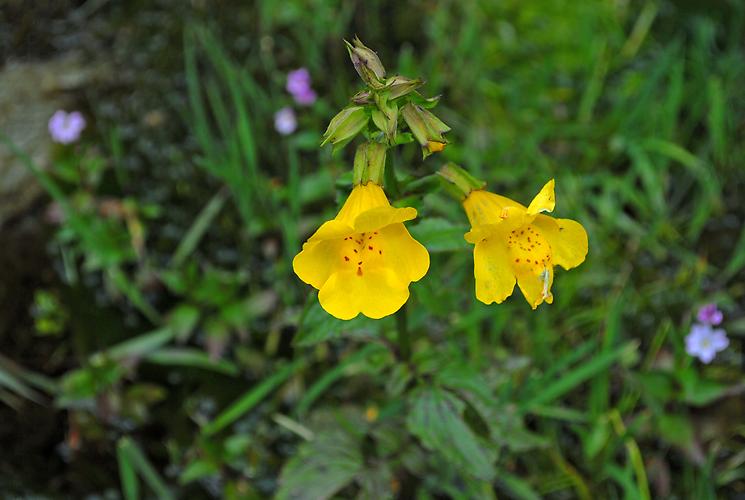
426, 127
369, 163
366, 63
349, 122
388, 123
399, 86
458, 182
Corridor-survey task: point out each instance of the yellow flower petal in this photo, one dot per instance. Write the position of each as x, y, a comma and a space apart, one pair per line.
403, 254
536, 288
510, 218
379, 217
495, 279
330, 230
543, 201
362, 198
481, 232
483, 207
568, 240
317, 261
375, 294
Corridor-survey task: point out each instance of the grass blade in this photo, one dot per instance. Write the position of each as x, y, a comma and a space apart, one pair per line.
576, 376
200, 226
251, 398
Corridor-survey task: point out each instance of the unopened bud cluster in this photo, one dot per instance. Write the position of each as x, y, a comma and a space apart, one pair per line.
386, 108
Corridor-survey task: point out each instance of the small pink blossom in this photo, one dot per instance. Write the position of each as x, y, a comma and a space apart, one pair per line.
65, 128
298, 80
710, 315
299, 86
306, 97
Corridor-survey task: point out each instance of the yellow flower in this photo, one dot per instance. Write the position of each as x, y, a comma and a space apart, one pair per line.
363, 260
514, 243
435, 146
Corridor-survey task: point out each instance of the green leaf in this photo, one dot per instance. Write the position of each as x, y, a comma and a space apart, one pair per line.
340, 370
8, 381
737, 259
182, 320
319, 326
251, 398
440, 235
127, 474
131, 459
197, 470
190, 357
321, 467
517, 487
200, 226
436, 418
698, 391
139, 346
676, 429
553, 390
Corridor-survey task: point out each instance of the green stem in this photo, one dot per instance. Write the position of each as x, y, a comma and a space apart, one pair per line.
404, 339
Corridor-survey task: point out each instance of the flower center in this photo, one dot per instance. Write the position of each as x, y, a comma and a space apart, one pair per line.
361, 252
530, 251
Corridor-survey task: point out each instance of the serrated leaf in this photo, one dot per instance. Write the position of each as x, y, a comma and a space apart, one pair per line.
436, 418
321, 467
319, 326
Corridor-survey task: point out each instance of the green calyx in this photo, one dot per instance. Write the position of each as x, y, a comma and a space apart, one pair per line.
458, 182
428, 130
366, 63
349, 122
383, 100
369, 163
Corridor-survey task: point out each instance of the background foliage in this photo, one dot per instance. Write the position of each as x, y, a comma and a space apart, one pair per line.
172, 352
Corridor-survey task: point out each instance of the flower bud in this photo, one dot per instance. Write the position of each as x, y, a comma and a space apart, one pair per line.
366, 63
362, 97
345, 125
398, 86
426, 127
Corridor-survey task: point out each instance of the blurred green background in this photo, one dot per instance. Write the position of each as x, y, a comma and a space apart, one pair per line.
156, 344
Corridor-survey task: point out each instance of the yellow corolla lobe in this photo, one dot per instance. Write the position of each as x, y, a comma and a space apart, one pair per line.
364, 259
515, 244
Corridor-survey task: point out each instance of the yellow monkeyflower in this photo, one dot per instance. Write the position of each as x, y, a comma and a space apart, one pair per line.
364, 259
514, 243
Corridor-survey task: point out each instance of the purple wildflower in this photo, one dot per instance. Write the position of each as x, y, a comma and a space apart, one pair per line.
704, 342
710, 315
284, 121
298, 80
65, 128
298, 85
306, 97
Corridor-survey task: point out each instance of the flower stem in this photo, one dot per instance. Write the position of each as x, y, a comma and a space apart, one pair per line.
404, 339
